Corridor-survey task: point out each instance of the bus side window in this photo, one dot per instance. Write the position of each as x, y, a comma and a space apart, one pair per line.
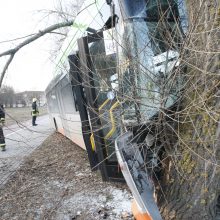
68, 99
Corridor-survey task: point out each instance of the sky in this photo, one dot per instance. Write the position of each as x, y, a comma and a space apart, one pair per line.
32, 67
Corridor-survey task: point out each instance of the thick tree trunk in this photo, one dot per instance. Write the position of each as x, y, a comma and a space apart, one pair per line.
191, 180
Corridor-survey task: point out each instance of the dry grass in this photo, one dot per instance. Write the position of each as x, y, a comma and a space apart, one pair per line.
14, 115
55, 182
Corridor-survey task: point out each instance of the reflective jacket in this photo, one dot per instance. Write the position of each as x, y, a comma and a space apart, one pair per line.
2, 114
34, 111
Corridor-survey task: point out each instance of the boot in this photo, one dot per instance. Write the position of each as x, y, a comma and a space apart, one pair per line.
3, 148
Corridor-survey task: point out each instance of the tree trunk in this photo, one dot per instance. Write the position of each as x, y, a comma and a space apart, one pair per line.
190, 187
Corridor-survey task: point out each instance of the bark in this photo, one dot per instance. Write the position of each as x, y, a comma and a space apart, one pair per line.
190, 183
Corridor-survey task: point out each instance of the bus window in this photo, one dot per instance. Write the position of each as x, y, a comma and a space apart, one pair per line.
104, 67
150, 40
52, 102
67, 98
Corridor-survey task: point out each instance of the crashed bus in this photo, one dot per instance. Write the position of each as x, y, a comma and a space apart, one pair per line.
118, 70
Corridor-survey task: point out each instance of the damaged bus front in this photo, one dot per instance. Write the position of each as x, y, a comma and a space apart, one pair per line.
150, 81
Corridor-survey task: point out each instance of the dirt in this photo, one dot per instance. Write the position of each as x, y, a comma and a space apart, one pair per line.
55, 182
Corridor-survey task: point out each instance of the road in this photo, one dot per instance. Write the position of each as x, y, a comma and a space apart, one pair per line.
21, 140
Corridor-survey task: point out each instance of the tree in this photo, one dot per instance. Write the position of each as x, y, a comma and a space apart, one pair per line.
192, 170
7, 95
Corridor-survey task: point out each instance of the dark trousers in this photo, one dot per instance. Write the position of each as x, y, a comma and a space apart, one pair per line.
34, 120
2, 138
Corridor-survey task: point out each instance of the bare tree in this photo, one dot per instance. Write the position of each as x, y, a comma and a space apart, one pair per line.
7, 96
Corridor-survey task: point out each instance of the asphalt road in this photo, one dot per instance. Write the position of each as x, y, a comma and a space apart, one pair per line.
21, 140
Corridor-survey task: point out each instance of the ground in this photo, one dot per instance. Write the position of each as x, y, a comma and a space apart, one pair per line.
55, 182
14, 115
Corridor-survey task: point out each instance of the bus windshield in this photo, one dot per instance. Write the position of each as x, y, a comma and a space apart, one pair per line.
149, 56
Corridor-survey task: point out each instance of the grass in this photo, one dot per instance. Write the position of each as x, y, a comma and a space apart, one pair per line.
13, 115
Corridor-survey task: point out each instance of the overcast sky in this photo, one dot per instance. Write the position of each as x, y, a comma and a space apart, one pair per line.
31, 68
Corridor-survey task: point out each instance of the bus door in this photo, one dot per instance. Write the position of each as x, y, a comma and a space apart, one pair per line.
98, 69
81, 107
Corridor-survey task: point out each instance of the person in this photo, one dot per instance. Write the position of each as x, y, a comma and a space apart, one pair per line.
34, 111
2, 122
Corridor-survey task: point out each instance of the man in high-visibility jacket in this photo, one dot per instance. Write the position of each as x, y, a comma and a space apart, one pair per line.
2, 122
34, 112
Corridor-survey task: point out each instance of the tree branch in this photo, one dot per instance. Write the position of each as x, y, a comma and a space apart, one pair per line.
6, 67
32, 38
19, 38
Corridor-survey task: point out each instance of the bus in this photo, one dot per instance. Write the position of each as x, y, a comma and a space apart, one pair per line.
119, 72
